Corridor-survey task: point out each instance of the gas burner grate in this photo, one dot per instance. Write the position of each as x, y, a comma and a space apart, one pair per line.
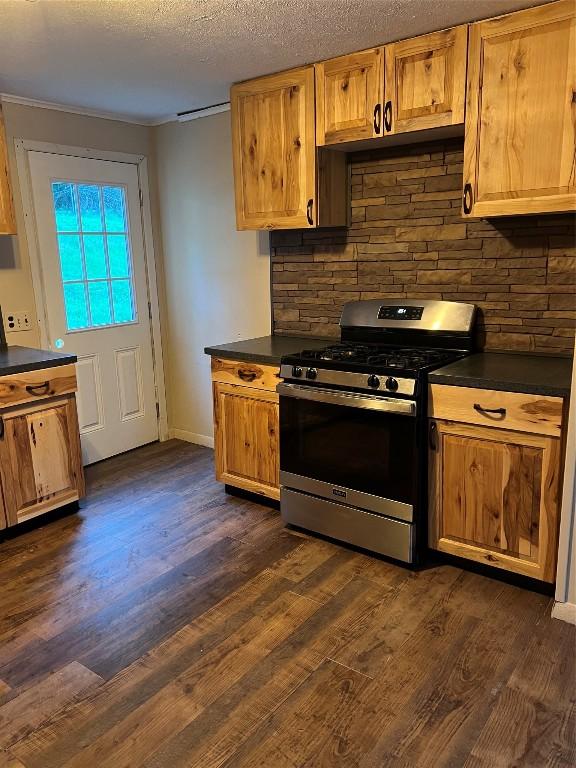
391, 357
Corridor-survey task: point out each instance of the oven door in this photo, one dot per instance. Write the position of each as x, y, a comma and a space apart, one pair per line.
355, 449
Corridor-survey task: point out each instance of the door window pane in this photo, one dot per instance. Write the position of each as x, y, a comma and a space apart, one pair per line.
118, 255
65, 206
90, 207
114, 210
99, 302
95, 258
75, 305
122, 301
70, 257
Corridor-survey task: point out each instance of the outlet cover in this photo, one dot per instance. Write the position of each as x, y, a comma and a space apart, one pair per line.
18, 321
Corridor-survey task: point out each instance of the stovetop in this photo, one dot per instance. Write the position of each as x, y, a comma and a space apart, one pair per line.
376, 358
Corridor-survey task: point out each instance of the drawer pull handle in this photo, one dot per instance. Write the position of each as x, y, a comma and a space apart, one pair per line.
497, 411
247, 375
38, 389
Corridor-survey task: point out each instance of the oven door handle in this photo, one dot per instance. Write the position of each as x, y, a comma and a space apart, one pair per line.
352, 400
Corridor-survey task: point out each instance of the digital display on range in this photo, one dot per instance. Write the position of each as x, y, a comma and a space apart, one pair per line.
400, 312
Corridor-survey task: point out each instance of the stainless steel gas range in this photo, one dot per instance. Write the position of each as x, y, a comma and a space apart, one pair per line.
353, 427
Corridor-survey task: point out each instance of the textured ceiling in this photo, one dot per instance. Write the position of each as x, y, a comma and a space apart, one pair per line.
148, 59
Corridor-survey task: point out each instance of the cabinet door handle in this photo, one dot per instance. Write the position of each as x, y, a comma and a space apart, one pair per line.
498, 411
309, 212
433, 436
388, 116
467, 199
38, 389
378, 118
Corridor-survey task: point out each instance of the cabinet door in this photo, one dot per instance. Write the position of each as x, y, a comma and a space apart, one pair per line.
274, 150
495, 497
426, 81
349, 97
520, 130
246, 432
40, 458
7, 219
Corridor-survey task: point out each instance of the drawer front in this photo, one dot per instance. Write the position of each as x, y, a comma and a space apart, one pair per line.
19, 388
245, 374
537, 414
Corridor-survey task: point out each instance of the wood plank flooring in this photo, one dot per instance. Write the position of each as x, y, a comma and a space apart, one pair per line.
168, 625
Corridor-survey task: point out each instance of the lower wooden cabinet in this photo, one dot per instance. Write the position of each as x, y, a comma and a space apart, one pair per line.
40, 457
494, 496
246, 426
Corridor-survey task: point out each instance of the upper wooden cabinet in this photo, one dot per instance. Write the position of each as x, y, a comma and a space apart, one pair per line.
274, 150
7, 218
520, 134
426, 81
281, 181
349, 97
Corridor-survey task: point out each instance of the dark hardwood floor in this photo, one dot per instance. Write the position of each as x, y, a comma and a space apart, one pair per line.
168, 625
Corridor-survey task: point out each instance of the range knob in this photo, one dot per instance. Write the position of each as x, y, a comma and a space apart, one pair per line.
391, 384
373, 381
311, 373
296, 371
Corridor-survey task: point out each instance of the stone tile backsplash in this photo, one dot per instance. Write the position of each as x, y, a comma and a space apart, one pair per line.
407, 239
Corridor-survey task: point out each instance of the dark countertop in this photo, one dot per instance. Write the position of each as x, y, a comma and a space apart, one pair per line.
509, 371
19, 359
267, 349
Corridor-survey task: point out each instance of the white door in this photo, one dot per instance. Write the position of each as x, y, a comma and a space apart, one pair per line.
96, 296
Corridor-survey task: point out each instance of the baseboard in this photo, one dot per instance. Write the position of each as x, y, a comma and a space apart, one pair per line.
565, 612
192, 437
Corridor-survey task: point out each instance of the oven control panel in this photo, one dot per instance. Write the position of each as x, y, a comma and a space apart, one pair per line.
403, 312
387, 385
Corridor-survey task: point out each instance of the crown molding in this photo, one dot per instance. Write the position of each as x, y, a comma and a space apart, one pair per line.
38, 103
180, 117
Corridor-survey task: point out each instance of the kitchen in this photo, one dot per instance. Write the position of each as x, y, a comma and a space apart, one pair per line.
423, 530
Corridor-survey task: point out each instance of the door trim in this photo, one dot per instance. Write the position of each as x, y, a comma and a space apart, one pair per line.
23, 147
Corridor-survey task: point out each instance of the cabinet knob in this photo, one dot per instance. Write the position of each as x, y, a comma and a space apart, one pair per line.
378, 118
467, 199
309, 212
388, 116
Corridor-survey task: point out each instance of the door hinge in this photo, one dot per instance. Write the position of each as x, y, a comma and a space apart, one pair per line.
157, 410
150, 310
141, 196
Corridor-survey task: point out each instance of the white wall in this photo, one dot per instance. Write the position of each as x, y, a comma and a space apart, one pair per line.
216, 279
